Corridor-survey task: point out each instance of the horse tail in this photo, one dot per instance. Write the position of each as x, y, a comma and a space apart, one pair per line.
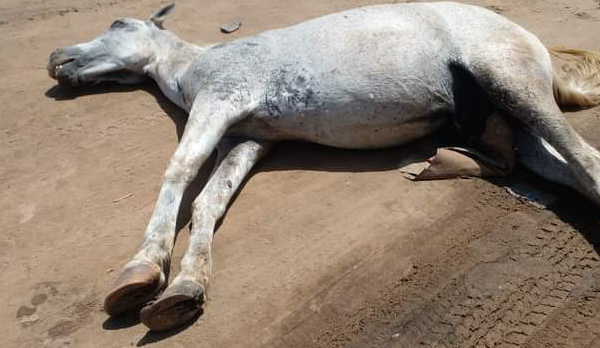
577, 85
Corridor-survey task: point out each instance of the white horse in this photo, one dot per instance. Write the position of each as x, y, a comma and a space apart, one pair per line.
370, 77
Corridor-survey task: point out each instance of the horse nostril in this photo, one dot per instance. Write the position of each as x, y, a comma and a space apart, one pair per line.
56, 54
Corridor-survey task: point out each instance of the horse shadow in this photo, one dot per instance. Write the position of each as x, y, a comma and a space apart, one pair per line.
569, 206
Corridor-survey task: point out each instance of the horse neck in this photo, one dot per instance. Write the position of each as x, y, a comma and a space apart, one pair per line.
172, 56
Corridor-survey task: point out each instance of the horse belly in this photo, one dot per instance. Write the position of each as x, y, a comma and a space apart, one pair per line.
360, 136
344, 128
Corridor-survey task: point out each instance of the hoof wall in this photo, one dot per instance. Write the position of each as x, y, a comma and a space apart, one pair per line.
179, 304
135, 287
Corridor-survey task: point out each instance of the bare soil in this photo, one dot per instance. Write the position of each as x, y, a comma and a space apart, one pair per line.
322, 247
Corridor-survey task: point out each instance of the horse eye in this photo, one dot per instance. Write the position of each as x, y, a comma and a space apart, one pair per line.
118, 24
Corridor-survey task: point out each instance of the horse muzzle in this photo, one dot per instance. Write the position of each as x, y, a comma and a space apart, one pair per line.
63, 66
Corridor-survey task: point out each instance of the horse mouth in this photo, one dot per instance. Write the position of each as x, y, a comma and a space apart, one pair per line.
53, 72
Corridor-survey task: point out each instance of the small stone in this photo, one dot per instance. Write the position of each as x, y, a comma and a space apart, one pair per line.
231, 27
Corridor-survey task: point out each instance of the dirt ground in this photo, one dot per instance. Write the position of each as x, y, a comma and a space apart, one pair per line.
322, 247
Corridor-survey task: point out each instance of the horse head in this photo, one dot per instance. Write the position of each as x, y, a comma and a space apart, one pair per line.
119, 54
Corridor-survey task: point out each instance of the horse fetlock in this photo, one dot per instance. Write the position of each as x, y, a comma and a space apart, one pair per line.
157, 252
196, 266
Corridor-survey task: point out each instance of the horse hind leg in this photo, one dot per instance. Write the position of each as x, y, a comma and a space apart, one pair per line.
521, 86
535, 154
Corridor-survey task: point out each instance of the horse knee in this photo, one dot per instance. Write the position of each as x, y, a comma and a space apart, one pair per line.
200, 211
180, 171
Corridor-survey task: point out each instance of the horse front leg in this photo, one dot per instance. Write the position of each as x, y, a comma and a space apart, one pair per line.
183, 299
146, 275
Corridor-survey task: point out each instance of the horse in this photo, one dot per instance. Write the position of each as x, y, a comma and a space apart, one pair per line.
370, 77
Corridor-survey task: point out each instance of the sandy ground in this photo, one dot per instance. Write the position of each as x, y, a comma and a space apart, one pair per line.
322, 247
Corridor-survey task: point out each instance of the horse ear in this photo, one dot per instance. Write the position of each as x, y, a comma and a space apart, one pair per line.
159, 16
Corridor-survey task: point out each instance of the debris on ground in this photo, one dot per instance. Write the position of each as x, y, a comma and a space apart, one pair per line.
231, 27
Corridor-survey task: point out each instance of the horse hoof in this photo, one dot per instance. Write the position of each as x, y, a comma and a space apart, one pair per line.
180, 303
136, 285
